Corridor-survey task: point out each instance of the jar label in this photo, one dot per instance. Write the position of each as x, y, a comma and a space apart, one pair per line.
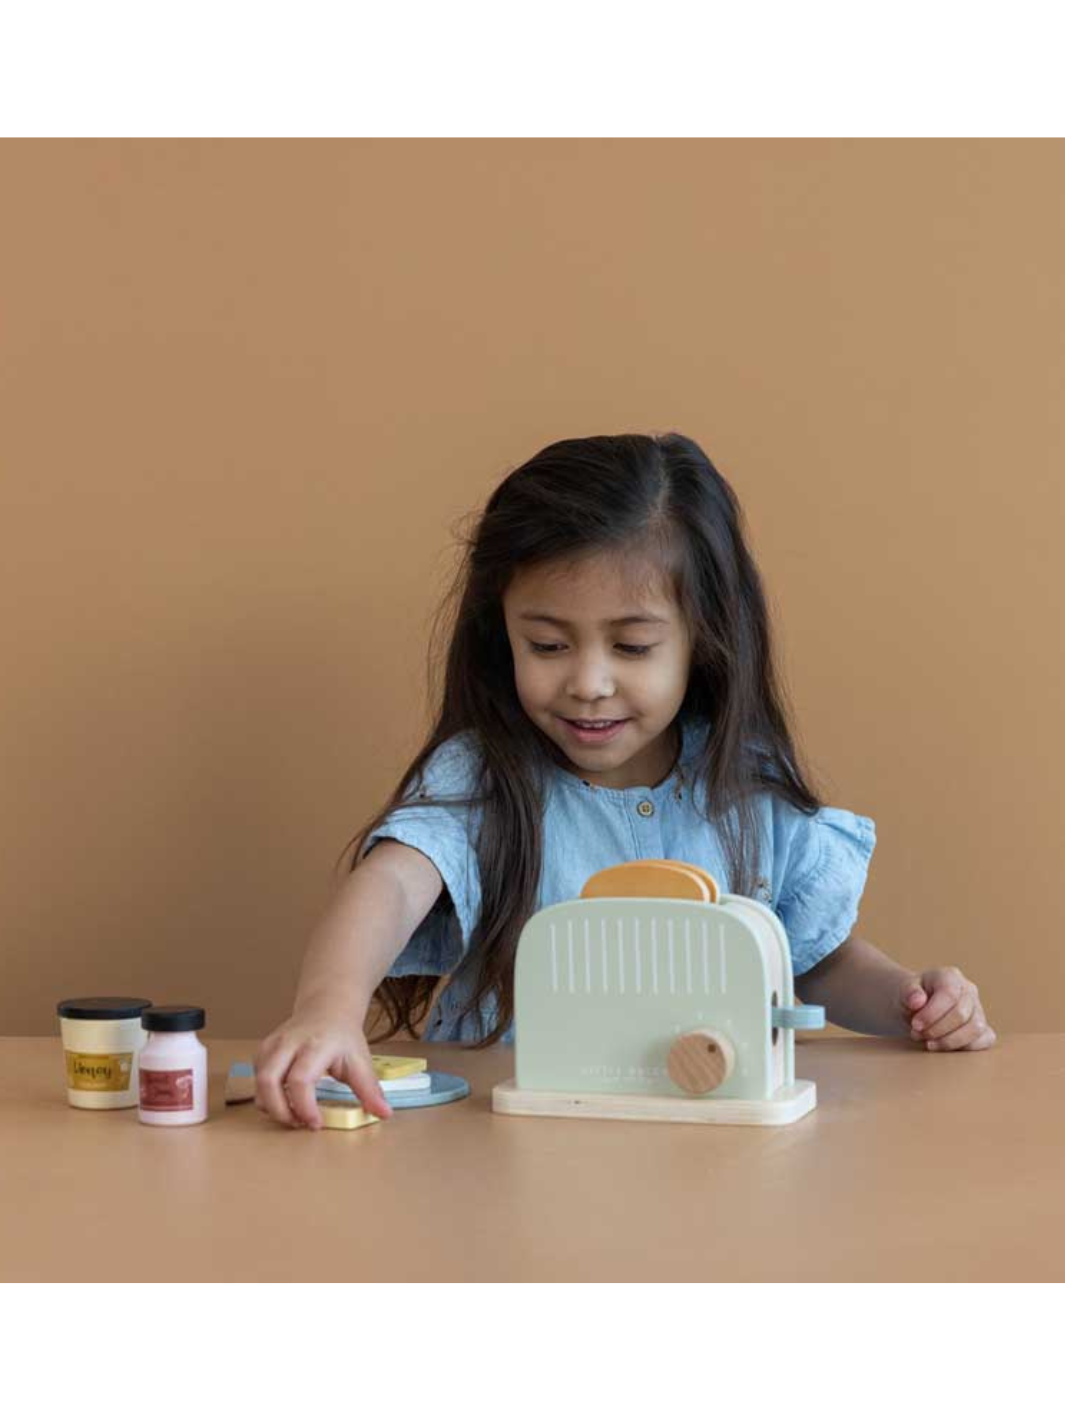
166, 1089
110, 1073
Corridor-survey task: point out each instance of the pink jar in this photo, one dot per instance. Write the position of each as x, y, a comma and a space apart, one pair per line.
173, 1066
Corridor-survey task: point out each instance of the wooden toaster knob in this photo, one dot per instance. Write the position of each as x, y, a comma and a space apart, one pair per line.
701, 1060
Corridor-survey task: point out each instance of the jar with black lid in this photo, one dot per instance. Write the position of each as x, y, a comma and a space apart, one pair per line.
173, 1066
102, 1040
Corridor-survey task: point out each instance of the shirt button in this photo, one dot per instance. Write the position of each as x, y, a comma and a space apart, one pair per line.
645, 808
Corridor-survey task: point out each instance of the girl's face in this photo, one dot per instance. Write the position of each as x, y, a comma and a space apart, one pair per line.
591, 642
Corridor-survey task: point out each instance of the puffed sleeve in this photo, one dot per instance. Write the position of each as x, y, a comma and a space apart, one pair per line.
820, 866
445, 833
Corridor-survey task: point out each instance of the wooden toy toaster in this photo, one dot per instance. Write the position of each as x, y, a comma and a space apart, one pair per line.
655, 996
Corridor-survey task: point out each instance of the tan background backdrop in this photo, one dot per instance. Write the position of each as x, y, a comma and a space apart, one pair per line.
249, 387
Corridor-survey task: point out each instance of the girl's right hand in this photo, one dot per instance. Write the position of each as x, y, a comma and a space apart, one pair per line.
294, 1057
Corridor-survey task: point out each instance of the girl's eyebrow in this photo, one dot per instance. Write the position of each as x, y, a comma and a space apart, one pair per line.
634, 618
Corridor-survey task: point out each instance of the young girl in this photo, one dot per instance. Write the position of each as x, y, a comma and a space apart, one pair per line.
609, 694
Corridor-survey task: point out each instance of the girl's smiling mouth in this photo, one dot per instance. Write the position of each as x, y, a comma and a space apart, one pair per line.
592, 732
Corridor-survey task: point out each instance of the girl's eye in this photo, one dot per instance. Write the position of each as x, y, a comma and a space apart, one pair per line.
546, 650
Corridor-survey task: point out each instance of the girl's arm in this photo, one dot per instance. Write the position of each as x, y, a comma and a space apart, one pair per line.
863, 990
367, 925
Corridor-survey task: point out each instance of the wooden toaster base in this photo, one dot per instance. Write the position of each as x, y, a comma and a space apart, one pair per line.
788, 1104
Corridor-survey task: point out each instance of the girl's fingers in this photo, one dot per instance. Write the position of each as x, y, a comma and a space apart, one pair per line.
286, 1081
270, 1068
304, 1073
959, 1039
933, 1011
959, 1015
948, 986
913, 994
362, 1077
973, 1036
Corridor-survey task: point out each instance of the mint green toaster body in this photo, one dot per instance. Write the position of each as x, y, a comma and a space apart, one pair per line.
604, 986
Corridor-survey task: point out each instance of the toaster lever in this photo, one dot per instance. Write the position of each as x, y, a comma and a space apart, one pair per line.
799, 1017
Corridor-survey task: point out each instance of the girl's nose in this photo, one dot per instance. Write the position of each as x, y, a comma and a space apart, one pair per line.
590, 680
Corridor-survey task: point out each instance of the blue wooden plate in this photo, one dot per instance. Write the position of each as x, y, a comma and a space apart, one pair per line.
442, 1089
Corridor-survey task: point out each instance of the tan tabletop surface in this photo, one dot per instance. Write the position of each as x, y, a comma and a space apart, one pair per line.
913, 1167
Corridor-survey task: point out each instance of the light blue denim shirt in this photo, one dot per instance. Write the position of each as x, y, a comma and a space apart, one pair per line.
811, 868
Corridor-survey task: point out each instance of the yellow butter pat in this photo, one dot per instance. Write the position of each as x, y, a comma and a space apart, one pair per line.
345, 1116
395, 1067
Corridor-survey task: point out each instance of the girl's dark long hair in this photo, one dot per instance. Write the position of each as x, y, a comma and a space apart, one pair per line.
655, 495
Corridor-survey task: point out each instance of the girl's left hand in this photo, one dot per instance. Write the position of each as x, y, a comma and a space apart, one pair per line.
946, 1011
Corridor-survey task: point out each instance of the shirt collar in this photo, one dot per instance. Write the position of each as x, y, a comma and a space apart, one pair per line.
693, 732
